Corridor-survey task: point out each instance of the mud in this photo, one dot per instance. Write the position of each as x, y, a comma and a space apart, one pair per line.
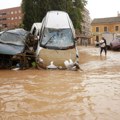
91, 94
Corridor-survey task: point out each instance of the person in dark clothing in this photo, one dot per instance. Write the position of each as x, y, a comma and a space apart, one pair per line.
103, 46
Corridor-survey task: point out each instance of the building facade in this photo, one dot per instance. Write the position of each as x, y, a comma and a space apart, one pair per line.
103, 25
10, 18
85, 34
86, 24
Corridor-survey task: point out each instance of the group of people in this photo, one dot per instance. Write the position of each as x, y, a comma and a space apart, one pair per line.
103, 46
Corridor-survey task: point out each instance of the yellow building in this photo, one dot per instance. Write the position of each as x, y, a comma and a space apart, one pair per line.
102, 25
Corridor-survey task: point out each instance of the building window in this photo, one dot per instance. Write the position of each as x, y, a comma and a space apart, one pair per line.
12, 18
4, 13
11, 12
19, 11
97, 38
19, 17
116, 28
105, 29
4, 19
97, 29
15, 12
4, 25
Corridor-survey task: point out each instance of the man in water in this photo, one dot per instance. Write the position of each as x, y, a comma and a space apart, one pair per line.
103, 46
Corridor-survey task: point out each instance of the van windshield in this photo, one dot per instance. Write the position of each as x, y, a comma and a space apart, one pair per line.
57, 38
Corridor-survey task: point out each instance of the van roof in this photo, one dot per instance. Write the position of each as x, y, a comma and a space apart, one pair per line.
37, 25
57, 20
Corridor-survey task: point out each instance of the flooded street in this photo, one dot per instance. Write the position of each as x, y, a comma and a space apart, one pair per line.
91, 94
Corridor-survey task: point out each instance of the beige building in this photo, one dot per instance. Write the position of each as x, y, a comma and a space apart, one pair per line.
102, 25
10, 18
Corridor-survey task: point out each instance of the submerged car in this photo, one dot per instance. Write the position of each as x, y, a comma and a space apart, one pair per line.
1, 32
13, 44
115, 44
56, 46
13, 41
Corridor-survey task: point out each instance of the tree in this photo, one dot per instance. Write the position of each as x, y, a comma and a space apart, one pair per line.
75, 11
35, 10
28, 13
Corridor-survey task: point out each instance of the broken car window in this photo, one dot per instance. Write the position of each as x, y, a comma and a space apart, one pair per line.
57, 38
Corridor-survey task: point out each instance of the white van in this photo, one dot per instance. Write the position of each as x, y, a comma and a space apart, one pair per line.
35, 29
56, 46
109, 37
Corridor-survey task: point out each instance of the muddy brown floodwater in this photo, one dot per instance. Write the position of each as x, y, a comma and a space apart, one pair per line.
91, 94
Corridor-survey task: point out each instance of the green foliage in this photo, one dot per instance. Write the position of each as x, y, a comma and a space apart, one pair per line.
35, 10
75, 12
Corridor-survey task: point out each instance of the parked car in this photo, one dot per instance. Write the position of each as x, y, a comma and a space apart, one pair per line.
56, 46
115, 44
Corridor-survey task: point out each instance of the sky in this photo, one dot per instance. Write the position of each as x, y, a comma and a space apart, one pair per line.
103, 8
9, 3
97, 8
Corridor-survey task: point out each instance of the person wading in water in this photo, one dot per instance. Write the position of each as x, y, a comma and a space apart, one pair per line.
103, 46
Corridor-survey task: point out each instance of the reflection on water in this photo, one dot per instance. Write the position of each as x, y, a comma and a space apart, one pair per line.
93, 94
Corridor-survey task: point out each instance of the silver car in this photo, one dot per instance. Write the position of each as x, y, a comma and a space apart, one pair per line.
115, 44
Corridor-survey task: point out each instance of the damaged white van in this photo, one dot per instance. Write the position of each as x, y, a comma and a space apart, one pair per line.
35, 29
56, 46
